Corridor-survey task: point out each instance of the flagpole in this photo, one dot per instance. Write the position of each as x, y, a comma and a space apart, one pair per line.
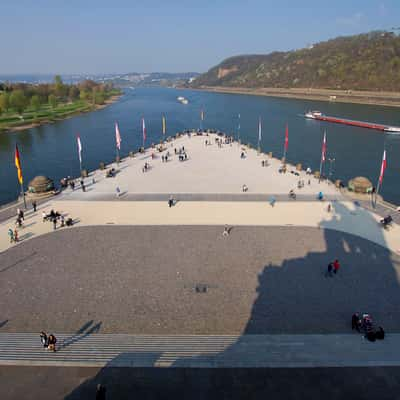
379, 184
285, 145
239, 129
23, 194
322, 157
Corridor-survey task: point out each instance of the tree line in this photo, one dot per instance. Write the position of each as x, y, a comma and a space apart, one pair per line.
18, 97
369, 61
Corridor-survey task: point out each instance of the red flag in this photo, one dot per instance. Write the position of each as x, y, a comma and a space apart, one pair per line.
17, 161
287, 137
144, 131
383, 167
117, 137
323, 155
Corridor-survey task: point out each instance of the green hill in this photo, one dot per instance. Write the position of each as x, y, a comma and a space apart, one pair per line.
368, 61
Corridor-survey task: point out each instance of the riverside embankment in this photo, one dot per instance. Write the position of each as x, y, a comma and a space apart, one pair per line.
391, 99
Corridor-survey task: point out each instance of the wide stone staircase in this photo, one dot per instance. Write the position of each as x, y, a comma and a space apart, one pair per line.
200, 351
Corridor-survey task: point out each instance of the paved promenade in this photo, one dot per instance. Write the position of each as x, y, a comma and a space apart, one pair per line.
200, 351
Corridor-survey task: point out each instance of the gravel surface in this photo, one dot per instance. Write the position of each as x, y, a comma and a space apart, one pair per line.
127, 279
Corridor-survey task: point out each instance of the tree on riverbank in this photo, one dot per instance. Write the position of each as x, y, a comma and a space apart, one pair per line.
32, 102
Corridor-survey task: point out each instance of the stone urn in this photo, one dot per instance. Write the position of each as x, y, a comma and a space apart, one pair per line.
41, 185
360, 184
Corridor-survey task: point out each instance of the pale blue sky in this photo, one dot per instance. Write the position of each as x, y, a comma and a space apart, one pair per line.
98, 36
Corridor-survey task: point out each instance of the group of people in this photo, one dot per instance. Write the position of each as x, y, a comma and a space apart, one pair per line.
365, 324
54, 217
146, 167
333, 268
48, 341
165, 157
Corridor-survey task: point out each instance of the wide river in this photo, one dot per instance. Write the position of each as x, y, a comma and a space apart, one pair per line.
51, 149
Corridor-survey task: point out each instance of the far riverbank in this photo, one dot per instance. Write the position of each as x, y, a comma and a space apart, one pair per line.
391, 99
68, 114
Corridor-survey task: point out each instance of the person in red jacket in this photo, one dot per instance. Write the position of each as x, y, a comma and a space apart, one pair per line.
336, 266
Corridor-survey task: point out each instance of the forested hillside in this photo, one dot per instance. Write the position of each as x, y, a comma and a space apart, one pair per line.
365, 62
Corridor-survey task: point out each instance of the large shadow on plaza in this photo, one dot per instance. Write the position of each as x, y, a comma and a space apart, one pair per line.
293, 297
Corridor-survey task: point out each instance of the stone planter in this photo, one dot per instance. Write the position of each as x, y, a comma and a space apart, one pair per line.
102, 165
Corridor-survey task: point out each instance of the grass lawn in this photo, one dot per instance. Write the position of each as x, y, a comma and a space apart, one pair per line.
45, 113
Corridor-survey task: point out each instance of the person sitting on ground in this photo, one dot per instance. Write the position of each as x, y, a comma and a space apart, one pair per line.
69, 222
355, 322
170, 201
226, 231
245, 188
320, 196
52, 340
292, 194
44, 339
380, 333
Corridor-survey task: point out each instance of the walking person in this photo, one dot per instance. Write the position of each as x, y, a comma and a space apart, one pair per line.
54, 223
11, 235
272, 201
100, 392
34, 205
21, 215
118, 191
336, 266
170, 201
330, 269
15, 235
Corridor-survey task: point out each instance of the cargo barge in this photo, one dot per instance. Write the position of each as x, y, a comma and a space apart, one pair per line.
370, 125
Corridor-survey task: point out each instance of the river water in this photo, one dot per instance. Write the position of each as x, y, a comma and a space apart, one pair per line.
51, 149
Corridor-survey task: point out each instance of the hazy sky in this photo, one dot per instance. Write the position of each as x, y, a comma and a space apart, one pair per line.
96, 36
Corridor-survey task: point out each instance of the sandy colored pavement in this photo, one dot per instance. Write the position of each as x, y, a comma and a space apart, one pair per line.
209, 169
345, 217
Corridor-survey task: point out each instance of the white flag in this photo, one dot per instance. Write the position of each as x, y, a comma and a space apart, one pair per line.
78, 139
117, 137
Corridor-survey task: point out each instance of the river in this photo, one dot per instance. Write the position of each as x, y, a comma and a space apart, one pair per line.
51, 149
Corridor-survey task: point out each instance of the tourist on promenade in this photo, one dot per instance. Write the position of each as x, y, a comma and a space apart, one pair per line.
329, 208
18, 222
272, 201
62, 220
11, 235
21, 214
54, 223
44, 339
15, 235
34, 205
170, 201
320, 196
355, 322
245, 188
336, 266
329, 271
100, 392
225, 233
52, 340
83, 185
118, 191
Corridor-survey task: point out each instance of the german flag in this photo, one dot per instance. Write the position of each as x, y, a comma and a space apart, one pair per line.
18, 165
